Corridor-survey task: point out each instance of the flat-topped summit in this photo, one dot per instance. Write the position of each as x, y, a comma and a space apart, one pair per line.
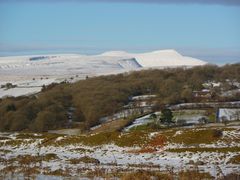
115, 53
159, 58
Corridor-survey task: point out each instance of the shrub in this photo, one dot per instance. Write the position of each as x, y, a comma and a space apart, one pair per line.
235, 159
145, 175
217, 133
232, 176
194, 174
85, 159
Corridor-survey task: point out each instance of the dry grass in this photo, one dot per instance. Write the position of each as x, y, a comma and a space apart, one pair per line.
85, 159
232, 176
28, 159
29, 136
111, 126
235, 159
58, 172
198, 149
194, 174
145, 175
129, 139
5, 151
49, 157
13, 142
82, 150
152, 145
196, 136
158, 141
144, 150
4, 138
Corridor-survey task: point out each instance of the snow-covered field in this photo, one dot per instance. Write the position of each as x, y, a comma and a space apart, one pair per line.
229, 114
155, 153
31, 72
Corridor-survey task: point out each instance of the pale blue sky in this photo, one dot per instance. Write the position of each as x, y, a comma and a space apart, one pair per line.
202, 30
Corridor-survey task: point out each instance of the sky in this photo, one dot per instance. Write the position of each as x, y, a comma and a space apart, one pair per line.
206, 29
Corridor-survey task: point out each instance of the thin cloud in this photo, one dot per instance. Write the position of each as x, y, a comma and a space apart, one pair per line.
219, 2
207, 2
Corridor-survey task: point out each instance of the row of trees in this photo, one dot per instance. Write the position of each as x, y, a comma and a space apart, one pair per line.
97, 97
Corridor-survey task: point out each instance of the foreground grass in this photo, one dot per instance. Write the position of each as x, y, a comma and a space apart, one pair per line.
195, 150
194, 174
187, 137
84, 159
149, 142
194, 136
122, 140
235, 159
31, 172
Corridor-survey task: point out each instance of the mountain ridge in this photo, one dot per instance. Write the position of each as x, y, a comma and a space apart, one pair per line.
158, 58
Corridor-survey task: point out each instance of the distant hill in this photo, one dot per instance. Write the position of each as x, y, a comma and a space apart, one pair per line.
161, 58
113, 62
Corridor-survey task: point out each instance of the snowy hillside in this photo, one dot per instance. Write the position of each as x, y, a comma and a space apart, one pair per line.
29, 73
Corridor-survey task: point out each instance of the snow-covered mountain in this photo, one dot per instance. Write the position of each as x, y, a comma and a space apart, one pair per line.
161, 58
35, 70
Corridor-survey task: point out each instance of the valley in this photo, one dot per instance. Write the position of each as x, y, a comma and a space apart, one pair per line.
118, 119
